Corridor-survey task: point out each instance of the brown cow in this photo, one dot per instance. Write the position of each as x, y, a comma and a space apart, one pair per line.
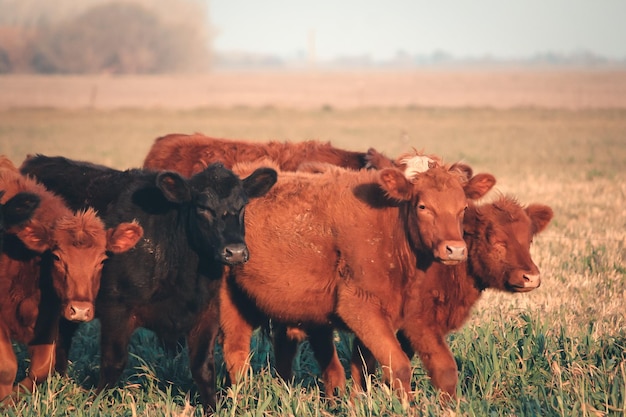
51, 266
498, 237
346, 250
190, 154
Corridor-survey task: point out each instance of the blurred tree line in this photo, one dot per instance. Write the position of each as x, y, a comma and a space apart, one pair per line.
104, 36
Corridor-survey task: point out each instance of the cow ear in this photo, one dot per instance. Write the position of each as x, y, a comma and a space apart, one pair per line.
20, 208
123, 237
464, 169
6, 163
395, 184
540, 215
479, 185
174, 187
259, 182
35, 236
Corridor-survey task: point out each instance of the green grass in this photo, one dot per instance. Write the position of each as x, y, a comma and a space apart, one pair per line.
556, 351
517, 367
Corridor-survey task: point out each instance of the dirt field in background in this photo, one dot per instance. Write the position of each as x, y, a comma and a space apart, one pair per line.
506, 88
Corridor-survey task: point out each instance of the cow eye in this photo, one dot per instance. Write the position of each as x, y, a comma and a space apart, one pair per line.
55, 257
421, 206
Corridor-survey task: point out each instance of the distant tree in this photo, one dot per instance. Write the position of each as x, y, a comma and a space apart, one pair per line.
31, 14
15, 49
119, 37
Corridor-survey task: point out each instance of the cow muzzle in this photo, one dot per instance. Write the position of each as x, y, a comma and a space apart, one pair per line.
79, 311
235, 254
525, 282
451, 252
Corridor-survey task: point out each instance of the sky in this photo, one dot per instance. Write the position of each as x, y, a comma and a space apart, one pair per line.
506, 29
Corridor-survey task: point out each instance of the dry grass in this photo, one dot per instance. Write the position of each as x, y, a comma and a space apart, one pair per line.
497, 88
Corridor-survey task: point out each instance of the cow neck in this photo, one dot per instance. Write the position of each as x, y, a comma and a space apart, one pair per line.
457, 294
49, 304
210, 268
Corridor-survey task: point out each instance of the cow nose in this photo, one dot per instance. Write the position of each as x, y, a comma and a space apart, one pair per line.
80, 312
236, 254
532, 280
456, 253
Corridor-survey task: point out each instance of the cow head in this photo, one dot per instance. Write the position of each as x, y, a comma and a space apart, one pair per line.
77, 246
435, 197
499, 235
217, 200
16, 211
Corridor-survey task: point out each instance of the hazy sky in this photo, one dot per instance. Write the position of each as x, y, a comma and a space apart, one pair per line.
381, 28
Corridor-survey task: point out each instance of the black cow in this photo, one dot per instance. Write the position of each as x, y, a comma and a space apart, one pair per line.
168, 283
15, 211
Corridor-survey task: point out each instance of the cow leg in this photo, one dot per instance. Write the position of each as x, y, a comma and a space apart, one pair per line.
376, 333
362, 364
201, 344
115, 333
405, 343
437, 359
64, 344
386, 349
285, 343
8, 364
237, 334
323, 345
41, 365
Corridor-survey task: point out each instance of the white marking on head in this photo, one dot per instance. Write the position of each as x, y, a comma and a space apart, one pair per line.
416, 165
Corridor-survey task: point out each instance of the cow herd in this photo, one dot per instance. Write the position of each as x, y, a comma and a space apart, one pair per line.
214, 238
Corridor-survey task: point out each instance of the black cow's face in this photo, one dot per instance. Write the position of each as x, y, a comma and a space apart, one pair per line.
217, 200
221, 222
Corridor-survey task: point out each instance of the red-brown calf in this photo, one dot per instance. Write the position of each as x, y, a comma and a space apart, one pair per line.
345, 249
51, 266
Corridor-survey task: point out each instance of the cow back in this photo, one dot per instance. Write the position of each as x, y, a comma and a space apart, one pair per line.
189, 154
82, 184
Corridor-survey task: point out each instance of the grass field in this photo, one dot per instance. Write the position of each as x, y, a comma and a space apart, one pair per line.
556, 351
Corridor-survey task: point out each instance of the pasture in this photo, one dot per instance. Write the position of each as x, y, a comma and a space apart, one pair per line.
557, 351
